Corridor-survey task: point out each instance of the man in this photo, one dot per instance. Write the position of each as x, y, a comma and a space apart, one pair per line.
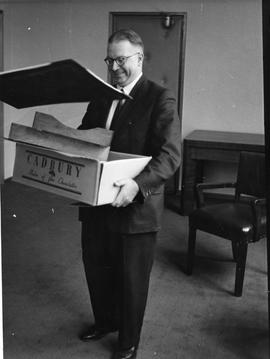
118, 240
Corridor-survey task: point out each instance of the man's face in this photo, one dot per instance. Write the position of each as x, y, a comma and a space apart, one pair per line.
123, 75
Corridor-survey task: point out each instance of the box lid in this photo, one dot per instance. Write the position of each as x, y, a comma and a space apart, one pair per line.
62, 81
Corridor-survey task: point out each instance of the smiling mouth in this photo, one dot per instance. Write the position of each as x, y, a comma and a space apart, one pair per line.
117, 73
118, 77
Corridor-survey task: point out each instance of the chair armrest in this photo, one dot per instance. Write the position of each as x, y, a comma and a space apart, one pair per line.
200, 187
259, 202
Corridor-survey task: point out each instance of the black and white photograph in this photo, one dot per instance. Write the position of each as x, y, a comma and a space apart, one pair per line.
134, 169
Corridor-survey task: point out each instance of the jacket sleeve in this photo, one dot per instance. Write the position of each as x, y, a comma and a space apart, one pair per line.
165, 145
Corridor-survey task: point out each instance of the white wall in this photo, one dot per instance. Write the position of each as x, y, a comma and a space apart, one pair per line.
223, 62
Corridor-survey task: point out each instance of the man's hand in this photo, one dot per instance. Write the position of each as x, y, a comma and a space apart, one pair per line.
128, 190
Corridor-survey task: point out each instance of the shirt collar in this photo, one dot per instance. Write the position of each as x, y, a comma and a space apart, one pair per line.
127, 89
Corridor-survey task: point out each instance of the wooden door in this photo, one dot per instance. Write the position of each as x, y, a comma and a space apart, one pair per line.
164, 41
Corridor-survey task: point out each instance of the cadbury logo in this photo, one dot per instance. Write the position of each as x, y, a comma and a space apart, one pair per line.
54, 165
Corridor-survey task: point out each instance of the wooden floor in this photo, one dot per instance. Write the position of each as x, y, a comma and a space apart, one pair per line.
46, 302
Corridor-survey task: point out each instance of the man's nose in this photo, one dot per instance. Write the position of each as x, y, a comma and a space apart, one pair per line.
115, 66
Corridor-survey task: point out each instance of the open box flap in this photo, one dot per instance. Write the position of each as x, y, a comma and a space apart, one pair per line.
48, 123
60, 142
62, 81
69, 154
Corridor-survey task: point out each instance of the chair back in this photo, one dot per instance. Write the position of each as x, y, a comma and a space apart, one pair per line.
251, 179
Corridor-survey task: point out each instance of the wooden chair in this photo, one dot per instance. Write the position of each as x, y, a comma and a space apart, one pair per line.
241, 221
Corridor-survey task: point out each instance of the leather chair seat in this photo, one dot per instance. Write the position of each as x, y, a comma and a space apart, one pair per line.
228, 220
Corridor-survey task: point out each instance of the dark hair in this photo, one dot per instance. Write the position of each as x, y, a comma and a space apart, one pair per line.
126, 34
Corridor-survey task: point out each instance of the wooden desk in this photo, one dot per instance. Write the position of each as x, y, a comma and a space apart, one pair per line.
202, 145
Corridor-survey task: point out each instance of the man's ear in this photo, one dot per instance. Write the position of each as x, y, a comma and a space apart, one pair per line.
140, 58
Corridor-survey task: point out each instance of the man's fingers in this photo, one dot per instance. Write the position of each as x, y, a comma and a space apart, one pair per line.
128, 190
121, 202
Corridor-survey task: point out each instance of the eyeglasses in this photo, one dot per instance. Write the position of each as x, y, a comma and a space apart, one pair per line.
121, 60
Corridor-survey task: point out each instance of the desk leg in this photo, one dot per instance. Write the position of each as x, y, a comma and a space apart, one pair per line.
192, 172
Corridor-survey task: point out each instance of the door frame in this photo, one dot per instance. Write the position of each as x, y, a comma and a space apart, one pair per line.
266, 93
1, 103
181, 62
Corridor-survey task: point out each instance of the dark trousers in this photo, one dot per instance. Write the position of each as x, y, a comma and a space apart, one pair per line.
117, 268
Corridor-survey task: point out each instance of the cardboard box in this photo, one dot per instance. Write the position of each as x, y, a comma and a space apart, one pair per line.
82, 179
76, 164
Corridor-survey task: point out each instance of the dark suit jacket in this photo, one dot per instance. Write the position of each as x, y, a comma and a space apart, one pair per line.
147, 125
